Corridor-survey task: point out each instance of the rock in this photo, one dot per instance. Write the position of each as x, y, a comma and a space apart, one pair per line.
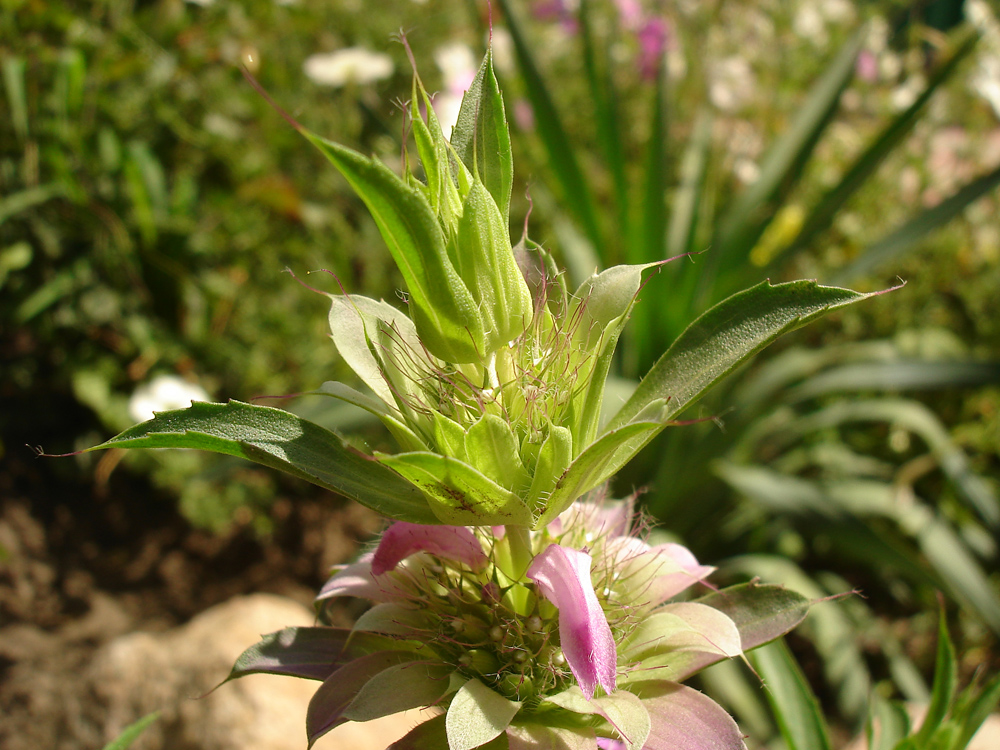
174, 672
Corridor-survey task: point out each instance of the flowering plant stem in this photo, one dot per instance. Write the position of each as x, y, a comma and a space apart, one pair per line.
510, 593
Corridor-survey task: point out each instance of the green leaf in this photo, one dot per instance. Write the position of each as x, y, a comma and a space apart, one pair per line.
888, 725
485, 262
599, 462
481, 139
554, 458
943, 690
399, 688
601, 305
17, 100
977, 710
407, 439
443, 309
795, 707
132, 732
310, 653
339, 690
727, 335
477, 715
429, 735
458, 494
281, 440
761, 612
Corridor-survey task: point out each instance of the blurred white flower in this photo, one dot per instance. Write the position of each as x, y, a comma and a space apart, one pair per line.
457, 63
732, 83
350, 65
985, 80
163, 393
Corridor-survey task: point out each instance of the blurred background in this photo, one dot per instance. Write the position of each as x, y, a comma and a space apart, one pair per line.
151, 203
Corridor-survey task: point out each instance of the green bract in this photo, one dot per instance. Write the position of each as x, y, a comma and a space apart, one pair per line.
493, 384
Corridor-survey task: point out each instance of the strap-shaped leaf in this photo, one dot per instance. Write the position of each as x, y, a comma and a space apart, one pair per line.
281, 440
727, 335
480, 136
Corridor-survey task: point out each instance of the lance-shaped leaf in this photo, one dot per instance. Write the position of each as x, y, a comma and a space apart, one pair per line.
727, 335
338, 691
281, 440
622, 710
761, 612
457, 493
444, 312
684, 718
311, 653
480, 137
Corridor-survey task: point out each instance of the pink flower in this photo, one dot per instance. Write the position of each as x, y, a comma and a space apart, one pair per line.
563, 577
512, 630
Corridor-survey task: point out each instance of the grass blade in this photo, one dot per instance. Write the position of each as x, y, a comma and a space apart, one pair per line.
562, 158
745, 221
795, 707
866, 164
913, 232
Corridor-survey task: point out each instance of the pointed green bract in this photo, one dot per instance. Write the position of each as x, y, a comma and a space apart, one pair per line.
444, 312
457, 493
481, 138
477, 715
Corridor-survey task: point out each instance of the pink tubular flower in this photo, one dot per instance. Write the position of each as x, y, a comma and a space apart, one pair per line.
563, 577
511, 631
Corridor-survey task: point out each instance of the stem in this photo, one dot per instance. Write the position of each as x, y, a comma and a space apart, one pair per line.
518, 540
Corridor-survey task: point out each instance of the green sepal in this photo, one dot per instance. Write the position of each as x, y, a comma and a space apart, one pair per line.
281, 440
490, 446
554, 458
457, 493
622, 710
482, 254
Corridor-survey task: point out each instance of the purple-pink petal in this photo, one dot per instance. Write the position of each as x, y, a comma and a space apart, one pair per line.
657, 573
563, 577
356, 579
681, 717
403, 539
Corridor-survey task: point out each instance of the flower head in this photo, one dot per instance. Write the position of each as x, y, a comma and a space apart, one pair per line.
579, 643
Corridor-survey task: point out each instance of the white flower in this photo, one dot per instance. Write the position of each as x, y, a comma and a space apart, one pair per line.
163, 393
352, 64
